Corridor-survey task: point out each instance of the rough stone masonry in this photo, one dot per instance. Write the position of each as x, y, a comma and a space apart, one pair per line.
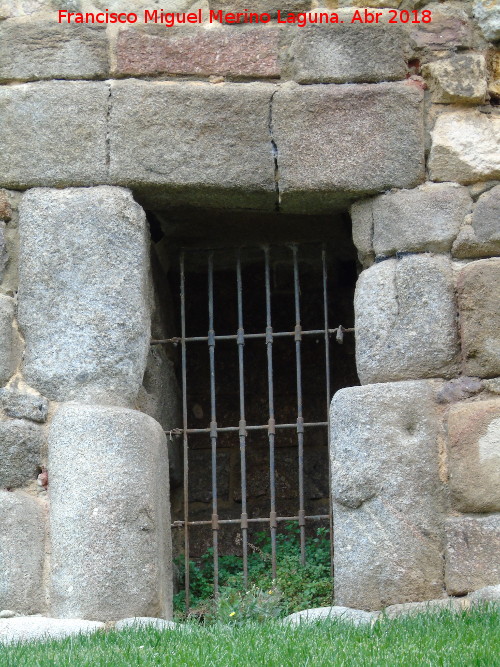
396, 120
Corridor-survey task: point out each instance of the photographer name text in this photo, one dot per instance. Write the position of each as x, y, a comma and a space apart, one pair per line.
300, 19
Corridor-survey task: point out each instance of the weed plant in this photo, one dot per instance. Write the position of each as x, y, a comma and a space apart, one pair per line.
296, 586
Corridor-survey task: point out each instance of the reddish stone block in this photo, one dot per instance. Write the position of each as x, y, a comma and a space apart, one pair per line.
443, 32
227, 51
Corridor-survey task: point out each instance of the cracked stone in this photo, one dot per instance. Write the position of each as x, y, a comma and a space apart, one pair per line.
214, 150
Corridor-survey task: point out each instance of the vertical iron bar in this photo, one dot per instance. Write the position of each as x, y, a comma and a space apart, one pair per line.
185, 434
213, 420
242, 426
272, 422
300, 418
327, 375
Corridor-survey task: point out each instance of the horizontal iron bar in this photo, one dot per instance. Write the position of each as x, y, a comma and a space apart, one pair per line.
236, 429
277, 334
312, 517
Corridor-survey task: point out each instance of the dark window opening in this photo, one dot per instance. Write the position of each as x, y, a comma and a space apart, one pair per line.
245, 278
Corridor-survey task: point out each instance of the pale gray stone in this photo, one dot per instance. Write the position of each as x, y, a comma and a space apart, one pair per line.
362, 231
198, 142
487, 14
345, 614
159, 397
493, 385
425, 219
20, 452
347, 53
138, 622
110, 514
463, 78
84, 295
467, 245
22, 530
18, 8
47, 140
481, 238
474, 456
388, 500
486, 216
472, 553
10, 348
465, 147
22, 405
486, 594
427, 607
40, 629
405, 318
49, 50
7, 613
332, 147
478, 289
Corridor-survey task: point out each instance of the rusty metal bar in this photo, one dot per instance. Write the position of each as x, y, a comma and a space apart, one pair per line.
272, 421
311, 517
234, 429
276, 334
213, 421
242, 425
300, 418
327, 380
185, 432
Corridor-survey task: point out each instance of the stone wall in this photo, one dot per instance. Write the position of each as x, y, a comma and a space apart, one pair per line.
416, 456
85, 509
399, 121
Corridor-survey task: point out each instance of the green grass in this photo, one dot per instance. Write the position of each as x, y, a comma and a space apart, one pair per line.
469, 638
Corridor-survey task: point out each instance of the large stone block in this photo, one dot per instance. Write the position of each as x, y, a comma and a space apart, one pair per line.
10, 347
53, 133
425, 219
338, 143
22, 552
226, 51
474, 456
20, 452
198, 142
465, 147
48, 50
478, 287
110, 514
388, 498
345, 53
472, 553
405, 315
84, 301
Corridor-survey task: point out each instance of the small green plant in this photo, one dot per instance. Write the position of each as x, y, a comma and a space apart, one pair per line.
296, 586
236, 606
